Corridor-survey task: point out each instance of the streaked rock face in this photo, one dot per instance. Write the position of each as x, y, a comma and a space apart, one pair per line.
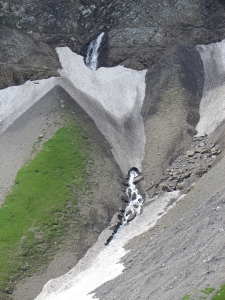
138, 33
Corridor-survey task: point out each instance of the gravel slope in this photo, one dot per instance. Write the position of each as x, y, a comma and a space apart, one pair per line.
183, 253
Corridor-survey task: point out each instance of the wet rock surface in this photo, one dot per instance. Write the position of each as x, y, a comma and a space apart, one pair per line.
132, 199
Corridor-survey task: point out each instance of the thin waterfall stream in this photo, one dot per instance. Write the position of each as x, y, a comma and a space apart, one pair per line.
135, 199
92, 53
134, 203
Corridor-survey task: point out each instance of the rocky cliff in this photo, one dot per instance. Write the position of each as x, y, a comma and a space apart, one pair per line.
138, 33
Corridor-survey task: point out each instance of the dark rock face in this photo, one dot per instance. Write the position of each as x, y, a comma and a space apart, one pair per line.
149, 28
138, 33
179, 67
173, 91
22, 58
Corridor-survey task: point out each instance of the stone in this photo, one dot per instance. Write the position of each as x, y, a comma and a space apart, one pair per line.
134, 196
124, 198
172, 186
9, 291
164, 187
131, 217
198, 150
187, 174
204, 150
176, 177
190, 153
209, 164
180, 186
138, 178
41, 135
215, 151
200, 172
129, 212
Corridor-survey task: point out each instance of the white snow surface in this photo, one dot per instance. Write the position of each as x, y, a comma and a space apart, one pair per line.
212, 107
15, 100
102, 263
113, 98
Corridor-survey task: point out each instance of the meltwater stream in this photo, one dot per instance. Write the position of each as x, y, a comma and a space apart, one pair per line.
134, 203
92, 53
135, 199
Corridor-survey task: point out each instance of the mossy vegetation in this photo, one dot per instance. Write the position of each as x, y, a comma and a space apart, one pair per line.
202, 294
220, 294
36, 214
187, 297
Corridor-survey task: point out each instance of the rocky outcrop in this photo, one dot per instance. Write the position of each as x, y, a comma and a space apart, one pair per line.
185, 171
171, 108
22, 58
137, 33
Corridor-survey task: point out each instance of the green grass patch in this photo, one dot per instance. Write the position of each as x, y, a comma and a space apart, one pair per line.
35, 214
187, 297
220, 294
208, 291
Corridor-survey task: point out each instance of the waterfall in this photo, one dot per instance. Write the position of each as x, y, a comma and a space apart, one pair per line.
135, 199
92, 53
133, 208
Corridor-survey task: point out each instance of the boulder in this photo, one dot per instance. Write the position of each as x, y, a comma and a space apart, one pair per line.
200, 172
131, 217
190, 153
138, 179
124, 198
164, 187
215, 151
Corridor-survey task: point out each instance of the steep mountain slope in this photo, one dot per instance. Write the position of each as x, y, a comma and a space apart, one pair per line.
184, 88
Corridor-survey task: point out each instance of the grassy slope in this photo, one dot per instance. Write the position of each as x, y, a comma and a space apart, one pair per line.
218, 295
35, 215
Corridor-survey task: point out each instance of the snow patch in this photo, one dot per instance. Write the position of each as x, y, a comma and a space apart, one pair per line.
112, 97
212, 106
102, 263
